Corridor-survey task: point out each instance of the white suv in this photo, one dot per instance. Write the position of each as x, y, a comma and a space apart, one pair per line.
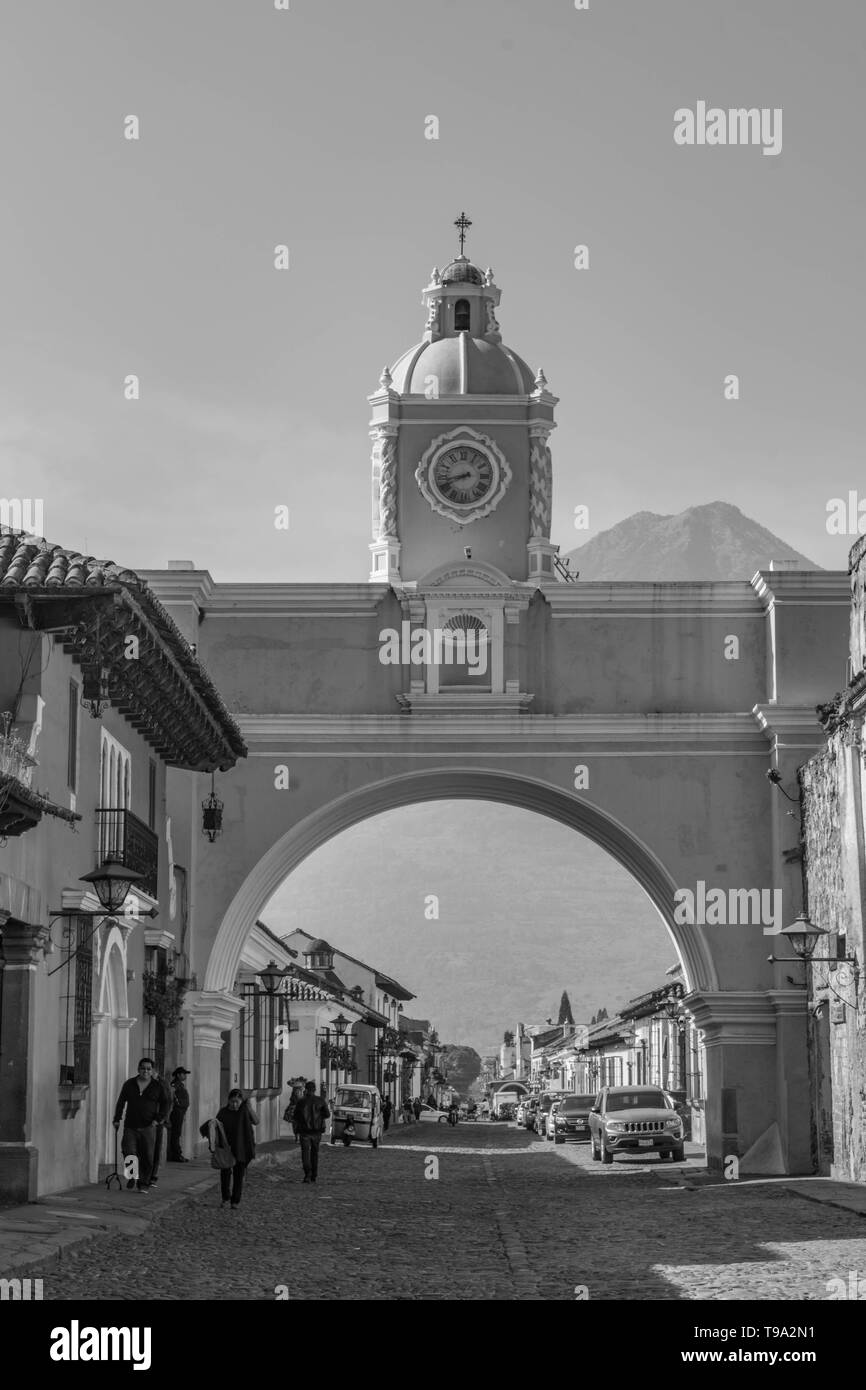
635, 1119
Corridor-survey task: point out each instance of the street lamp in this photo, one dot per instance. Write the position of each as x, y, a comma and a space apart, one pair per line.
272, 976
111, 882
803, 936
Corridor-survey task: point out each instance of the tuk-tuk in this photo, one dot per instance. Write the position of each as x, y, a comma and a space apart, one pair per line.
356, 1113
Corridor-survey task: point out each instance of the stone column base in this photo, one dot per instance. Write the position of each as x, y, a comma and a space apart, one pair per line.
385, 561
19, 1168
540, 553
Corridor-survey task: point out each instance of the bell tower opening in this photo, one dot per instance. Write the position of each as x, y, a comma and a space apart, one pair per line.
462, 316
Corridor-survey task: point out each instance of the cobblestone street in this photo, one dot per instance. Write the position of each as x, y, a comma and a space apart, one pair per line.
508, 1217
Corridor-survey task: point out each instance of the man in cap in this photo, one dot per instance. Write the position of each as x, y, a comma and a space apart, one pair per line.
178, 1114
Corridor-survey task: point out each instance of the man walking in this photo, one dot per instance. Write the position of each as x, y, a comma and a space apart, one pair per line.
178, 1115
417, 1107
144, 1099
309, 1124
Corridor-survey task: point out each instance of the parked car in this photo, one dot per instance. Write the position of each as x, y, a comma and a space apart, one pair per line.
635, 1119
542, 1110
572, 1119
531, 1111
550, 1119
520, 1117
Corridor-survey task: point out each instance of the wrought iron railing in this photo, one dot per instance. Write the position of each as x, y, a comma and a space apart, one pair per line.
123, 835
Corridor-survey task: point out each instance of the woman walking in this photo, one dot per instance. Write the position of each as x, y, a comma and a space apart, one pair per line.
237, 1120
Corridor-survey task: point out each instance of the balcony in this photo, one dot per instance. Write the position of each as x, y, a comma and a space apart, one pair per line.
122, 834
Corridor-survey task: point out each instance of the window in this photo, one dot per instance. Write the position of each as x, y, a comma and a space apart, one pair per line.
151, 795
72, 739
115, 793
461, 316
259, 1059
76, 1003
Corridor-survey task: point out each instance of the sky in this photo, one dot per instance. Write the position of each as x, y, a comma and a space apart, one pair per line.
306, 128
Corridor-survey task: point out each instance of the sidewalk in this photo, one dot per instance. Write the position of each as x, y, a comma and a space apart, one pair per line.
42, 1231
831, 1192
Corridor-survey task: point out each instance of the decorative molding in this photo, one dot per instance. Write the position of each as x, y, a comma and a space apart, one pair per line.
540, 484
71, 1099
162, 940
802, 587
384, 470
463, 515
451, 704
789, 726
213, 1013
743, 1018
704, 733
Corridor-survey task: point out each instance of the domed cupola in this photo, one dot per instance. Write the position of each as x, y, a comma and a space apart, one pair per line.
461, 352
462, 271
319, 955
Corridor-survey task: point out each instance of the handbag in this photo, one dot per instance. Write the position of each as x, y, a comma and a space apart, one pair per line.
221, 1155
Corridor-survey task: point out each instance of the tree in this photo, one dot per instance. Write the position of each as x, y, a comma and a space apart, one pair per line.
565, 1014
463, 1066
508, 1039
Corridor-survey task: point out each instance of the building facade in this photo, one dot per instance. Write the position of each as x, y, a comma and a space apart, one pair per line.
101, 695
833, 800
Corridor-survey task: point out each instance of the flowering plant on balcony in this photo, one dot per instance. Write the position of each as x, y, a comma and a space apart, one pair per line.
162, 995
15, 760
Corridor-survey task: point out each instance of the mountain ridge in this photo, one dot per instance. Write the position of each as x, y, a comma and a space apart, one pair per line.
712, 541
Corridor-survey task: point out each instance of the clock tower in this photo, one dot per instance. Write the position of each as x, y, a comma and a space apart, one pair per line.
460, 424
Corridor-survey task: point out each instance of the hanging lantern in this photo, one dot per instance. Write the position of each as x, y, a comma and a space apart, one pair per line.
95, 677
95, 695
212, 814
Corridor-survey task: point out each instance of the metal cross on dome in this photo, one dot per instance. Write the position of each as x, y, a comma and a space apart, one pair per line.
462, 224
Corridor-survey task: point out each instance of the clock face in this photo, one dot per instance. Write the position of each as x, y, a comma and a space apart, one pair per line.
463, 475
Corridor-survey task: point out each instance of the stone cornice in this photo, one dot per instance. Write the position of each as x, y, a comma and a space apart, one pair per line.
746, 1018
295, 600
704, 732
801, 587
791, 725
181, 586
213, 1013
734, 598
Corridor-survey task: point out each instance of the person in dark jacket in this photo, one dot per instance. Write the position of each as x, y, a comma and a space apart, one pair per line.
417, 1107
387, 1107
143, 1105
178, 1114
161, 1129
237, 1119
309, 1125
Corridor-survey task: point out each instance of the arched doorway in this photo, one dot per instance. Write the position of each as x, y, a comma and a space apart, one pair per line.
110, 1066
